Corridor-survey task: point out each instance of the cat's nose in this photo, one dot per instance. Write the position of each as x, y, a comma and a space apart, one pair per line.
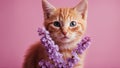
65, 33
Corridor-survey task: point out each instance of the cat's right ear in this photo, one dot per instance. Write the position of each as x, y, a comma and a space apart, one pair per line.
82, 8
47, 8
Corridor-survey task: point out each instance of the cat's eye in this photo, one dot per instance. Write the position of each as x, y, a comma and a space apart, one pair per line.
73, 23
57, 23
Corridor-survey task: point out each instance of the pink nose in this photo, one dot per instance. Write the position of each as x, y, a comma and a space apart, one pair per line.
64, 33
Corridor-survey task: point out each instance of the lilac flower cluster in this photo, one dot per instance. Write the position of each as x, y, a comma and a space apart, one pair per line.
83, 45
55, 56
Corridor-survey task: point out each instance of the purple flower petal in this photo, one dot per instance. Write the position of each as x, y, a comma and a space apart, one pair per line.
54, 54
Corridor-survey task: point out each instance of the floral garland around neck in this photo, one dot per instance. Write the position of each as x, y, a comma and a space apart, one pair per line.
55, 56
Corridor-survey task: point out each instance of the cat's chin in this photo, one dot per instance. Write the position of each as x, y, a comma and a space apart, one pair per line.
65, 39
67, 45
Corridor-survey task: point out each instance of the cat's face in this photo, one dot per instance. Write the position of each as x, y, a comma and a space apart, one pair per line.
65, 25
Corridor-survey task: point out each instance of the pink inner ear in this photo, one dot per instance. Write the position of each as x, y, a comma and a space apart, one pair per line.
83, 16
47, 8
82, 7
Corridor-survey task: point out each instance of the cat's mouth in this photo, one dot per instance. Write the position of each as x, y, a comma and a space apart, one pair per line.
65, 38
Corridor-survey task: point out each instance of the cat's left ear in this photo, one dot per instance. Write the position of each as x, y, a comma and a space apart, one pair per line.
82, 8
47, 8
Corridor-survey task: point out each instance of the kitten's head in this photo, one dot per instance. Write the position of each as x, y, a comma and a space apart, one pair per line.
66, 25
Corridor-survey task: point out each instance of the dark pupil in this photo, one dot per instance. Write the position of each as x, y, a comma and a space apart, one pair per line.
57, 24
73, 23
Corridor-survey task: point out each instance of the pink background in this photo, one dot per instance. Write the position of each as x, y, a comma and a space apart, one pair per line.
20, 19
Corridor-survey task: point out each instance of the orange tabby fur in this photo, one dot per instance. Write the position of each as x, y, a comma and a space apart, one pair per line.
64, 16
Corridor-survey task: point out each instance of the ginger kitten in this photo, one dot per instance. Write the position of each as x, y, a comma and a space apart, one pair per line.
66, 27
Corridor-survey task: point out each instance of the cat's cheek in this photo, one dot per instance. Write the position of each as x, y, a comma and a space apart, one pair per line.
56, 36
74, 35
